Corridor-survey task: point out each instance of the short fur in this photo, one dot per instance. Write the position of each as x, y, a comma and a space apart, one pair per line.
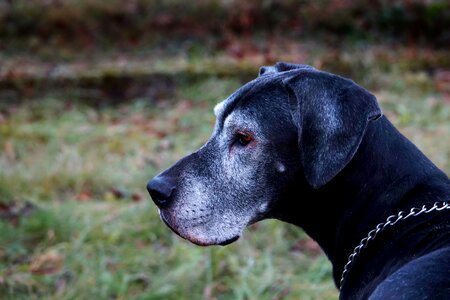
320, 156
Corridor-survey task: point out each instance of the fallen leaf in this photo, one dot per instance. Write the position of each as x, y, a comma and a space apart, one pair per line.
136, 197
119, 193
48, 263
84, 196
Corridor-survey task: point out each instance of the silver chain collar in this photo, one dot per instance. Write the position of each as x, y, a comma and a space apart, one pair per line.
390, 221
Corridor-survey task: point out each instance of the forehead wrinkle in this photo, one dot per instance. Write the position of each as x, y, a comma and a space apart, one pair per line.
241, 94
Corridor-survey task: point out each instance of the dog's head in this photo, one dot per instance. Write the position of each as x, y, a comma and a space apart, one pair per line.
293, 123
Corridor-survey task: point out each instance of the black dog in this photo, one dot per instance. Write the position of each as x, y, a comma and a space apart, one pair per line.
313, 149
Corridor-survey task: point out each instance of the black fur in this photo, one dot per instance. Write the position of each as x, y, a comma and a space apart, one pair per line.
342, 168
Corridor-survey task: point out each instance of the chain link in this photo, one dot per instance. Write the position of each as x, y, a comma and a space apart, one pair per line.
390, 221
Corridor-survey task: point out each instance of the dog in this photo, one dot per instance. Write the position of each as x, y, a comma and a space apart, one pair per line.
314, 149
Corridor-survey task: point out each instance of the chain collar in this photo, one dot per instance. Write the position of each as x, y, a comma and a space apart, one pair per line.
390, 221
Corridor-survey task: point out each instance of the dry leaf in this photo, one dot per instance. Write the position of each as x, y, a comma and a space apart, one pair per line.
48, 263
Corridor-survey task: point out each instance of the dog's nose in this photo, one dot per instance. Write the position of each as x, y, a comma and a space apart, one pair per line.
161, 189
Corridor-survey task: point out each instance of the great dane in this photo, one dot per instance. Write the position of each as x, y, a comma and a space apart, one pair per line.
314, 149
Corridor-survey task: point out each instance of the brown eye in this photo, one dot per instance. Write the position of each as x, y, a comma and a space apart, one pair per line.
244, 138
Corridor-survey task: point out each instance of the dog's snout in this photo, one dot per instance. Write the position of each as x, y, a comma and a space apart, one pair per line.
161, 189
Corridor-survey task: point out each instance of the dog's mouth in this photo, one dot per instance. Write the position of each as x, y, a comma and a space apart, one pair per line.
162, 217
229, 241
195, 239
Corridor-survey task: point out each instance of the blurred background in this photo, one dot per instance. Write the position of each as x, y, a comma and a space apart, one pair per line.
96, 97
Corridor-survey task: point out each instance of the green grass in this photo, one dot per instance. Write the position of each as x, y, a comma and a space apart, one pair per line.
122, 250
93, 233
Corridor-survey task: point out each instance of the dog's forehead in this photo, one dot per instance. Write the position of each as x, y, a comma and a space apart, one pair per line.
278, 74
258, 85
230, 118
222, 109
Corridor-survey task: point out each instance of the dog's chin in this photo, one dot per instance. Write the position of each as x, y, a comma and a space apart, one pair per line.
199, 239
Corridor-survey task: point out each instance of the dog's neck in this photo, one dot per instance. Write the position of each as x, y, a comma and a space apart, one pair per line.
375, 184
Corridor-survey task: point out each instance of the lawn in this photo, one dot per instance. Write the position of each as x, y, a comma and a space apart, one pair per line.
93, 104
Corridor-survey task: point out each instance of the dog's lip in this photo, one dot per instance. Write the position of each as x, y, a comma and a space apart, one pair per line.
163, 218
212, 243
193, 239
229, 241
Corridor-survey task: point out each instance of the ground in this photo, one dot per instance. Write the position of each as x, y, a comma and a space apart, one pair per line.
83, 128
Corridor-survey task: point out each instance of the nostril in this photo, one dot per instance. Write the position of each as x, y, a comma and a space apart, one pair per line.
161, 189
158, 198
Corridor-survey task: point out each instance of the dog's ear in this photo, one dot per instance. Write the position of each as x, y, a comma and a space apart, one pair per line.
331, 114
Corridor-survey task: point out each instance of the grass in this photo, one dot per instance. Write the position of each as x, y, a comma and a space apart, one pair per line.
123, 251
95, 99
92, 232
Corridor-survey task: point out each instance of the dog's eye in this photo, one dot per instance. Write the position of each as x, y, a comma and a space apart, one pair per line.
244, 138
